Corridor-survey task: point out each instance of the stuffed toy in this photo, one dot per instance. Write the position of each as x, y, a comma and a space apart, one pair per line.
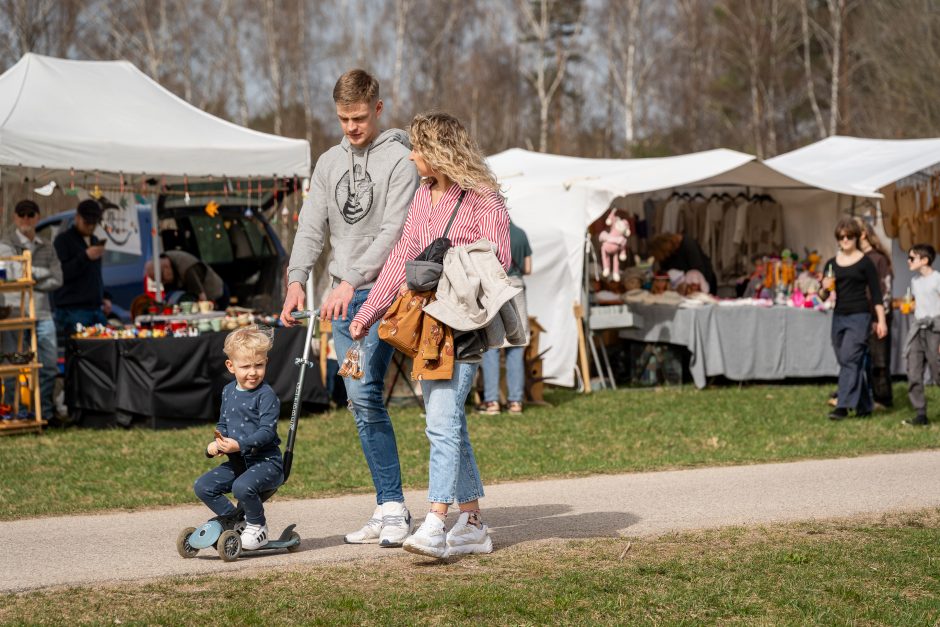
614, 245
640, 274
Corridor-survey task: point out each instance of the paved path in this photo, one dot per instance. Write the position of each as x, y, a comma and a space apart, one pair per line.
103, 548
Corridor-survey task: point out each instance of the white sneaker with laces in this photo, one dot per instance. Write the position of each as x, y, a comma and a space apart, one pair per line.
396, 524
429, 539
464, 538
254, 536
369, 534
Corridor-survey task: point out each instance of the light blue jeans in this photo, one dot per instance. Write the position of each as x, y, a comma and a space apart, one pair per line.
453, 473
515, 374
47, 355
367, 405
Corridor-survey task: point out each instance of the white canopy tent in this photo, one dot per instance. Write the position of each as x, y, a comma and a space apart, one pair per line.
867, 165
555, 198
59, 116
108, 116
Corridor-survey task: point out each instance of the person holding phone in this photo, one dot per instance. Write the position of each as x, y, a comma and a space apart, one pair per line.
81, 297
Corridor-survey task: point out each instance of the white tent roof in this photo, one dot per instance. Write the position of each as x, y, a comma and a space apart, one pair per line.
554, 199
857, 163
108, 116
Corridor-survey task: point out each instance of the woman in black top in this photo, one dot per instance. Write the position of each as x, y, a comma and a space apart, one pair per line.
855, 278
674, 251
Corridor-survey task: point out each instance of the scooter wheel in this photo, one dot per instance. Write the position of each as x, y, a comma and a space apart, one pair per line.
229, 546
294, 536
182, 543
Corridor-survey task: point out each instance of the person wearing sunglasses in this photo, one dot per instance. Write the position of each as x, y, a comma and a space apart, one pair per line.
855, 279
47, 272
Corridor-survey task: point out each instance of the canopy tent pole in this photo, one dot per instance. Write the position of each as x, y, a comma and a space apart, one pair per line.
155, 249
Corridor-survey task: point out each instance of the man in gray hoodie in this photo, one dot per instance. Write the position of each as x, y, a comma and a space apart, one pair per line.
359, 195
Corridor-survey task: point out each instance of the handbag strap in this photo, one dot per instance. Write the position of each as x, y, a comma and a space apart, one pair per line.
454, 214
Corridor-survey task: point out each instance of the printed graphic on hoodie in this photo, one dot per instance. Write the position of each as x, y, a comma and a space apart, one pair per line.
357, 203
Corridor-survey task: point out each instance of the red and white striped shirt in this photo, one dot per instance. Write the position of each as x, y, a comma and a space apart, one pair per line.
481, 215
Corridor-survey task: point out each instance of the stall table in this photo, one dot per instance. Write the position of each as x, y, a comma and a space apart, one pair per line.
746, 343
170, 382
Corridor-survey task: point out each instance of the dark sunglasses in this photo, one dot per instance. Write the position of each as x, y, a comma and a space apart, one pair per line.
28, 214
842, 236
912, 257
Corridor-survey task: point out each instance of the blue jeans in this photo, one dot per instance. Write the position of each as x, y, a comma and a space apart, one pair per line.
47, 355
367, 405
850, 340
515, 374
453, 473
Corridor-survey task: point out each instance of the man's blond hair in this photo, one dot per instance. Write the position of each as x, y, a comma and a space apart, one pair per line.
354, 87
249, 340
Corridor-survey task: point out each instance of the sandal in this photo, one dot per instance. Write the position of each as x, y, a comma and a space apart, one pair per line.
515, 407
489, 409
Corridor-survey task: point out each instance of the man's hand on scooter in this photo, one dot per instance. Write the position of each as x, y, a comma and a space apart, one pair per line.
294, 300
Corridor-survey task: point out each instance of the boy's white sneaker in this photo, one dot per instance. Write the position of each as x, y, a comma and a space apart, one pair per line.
369, 534
464, 538
254, 536
430, 538
396, 524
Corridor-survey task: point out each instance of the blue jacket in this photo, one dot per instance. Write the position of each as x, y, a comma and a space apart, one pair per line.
250, 418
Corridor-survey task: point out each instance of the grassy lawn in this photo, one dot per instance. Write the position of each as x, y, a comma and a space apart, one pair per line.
75, 470
874, 571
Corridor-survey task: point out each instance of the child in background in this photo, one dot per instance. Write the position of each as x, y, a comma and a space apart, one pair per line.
922, 346
247, 425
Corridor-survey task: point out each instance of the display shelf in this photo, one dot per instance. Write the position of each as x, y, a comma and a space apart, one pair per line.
13, 369
15, 286
24, 320
144, 318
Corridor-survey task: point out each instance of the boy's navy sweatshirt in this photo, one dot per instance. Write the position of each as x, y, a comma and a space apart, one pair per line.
250, 418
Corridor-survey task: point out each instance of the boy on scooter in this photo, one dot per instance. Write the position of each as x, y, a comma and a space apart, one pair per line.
247, 425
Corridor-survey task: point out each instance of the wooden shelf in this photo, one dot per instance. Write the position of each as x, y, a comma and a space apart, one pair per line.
15, 286
21, 426
12, 369
25, 320
17, 323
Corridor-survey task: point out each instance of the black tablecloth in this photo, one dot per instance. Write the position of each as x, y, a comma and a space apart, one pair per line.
172, 381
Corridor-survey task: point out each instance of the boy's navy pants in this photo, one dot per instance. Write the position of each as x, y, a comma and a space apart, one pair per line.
260, 477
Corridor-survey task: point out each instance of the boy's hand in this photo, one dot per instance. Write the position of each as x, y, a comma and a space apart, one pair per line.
228, 445
213, 449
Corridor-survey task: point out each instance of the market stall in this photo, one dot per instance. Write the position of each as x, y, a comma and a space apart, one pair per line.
70, 128
556, 200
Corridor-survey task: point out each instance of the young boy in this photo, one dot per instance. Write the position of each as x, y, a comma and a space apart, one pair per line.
247, 424
923, 340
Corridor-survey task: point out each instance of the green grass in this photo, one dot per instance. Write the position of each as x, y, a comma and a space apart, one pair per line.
872, 571
78, 470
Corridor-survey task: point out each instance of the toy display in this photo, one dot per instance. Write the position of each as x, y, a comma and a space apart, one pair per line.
614, 245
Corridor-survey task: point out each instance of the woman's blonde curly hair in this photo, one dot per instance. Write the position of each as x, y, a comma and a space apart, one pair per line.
447, 148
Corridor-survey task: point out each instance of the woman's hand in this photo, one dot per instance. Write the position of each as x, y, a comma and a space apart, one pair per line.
403, 289
881, 329
828, 283
356, 332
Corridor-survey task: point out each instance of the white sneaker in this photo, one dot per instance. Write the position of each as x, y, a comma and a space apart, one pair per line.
396, 524
429, 539
369, 534
464, 538
254, 536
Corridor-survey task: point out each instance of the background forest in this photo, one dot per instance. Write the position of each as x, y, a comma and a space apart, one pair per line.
594, 78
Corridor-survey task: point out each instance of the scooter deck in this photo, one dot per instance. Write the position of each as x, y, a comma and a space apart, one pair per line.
283, 542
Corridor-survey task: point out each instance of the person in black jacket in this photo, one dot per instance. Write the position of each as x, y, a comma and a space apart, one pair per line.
674, 251
81, 296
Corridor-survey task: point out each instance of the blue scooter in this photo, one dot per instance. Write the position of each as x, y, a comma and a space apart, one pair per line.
224, 532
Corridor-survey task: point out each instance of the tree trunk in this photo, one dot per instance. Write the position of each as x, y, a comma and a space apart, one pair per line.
808, 70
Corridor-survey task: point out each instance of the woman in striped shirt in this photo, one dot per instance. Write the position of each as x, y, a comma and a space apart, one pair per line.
450, 165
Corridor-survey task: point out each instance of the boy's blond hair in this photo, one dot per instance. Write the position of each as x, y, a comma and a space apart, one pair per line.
354, 87
251, 339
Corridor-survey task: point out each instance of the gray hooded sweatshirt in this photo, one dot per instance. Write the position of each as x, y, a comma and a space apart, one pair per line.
361, 197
